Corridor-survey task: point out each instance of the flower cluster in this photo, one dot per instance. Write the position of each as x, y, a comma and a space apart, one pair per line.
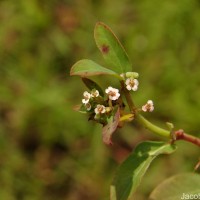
132, 83
98, 107
87, 98
108, 108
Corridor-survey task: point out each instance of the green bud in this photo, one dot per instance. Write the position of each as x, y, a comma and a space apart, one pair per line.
108, 109
132, 75
127, 117
170, 125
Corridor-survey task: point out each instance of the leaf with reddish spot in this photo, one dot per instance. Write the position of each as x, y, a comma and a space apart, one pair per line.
110, 128
87, 68
111, 48
104, 49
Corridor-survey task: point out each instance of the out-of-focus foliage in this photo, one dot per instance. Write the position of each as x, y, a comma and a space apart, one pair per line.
50, 152
184, 183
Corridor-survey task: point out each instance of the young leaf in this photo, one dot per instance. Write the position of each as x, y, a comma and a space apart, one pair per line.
80, 108
90, 84
111, 48
131, 171
87, 68
109, 129
182, 186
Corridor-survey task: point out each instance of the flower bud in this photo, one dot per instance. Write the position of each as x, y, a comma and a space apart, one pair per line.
108, 109
132, 75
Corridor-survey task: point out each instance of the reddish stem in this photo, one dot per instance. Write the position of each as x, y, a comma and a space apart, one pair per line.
181, 135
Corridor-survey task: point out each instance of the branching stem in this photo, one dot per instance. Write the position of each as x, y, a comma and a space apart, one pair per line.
179, 135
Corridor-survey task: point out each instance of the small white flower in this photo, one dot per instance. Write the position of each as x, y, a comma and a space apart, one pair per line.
113, 93
86, 97
148, 107
95, 93
132, 84
88, 106
100, 109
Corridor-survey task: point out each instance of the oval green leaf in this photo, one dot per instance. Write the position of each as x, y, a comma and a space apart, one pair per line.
87, 68
111, 48
131, 171
181, 186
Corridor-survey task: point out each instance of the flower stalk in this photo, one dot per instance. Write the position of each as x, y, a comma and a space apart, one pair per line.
128, 98
152, 127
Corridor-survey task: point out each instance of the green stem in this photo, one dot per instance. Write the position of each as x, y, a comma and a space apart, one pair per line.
155, 129
128, 98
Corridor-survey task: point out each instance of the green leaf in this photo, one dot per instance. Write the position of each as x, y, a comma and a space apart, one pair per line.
110, 128
90, 84
87, 68
111, 48
131, 171
182, 186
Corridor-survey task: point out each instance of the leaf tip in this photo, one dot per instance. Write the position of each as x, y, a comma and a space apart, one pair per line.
71, 73
100, 24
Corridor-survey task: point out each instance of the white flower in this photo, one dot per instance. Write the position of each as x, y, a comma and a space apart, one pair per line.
132, 84
95, 93
100, 109
86, 97
113, 93
88, 106
148, 107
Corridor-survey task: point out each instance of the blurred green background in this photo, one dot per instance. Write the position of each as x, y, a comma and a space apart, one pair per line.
50, 152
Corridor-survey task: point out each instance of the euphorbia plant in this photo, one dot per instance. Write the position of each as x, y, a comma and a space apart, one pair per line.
108, 107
